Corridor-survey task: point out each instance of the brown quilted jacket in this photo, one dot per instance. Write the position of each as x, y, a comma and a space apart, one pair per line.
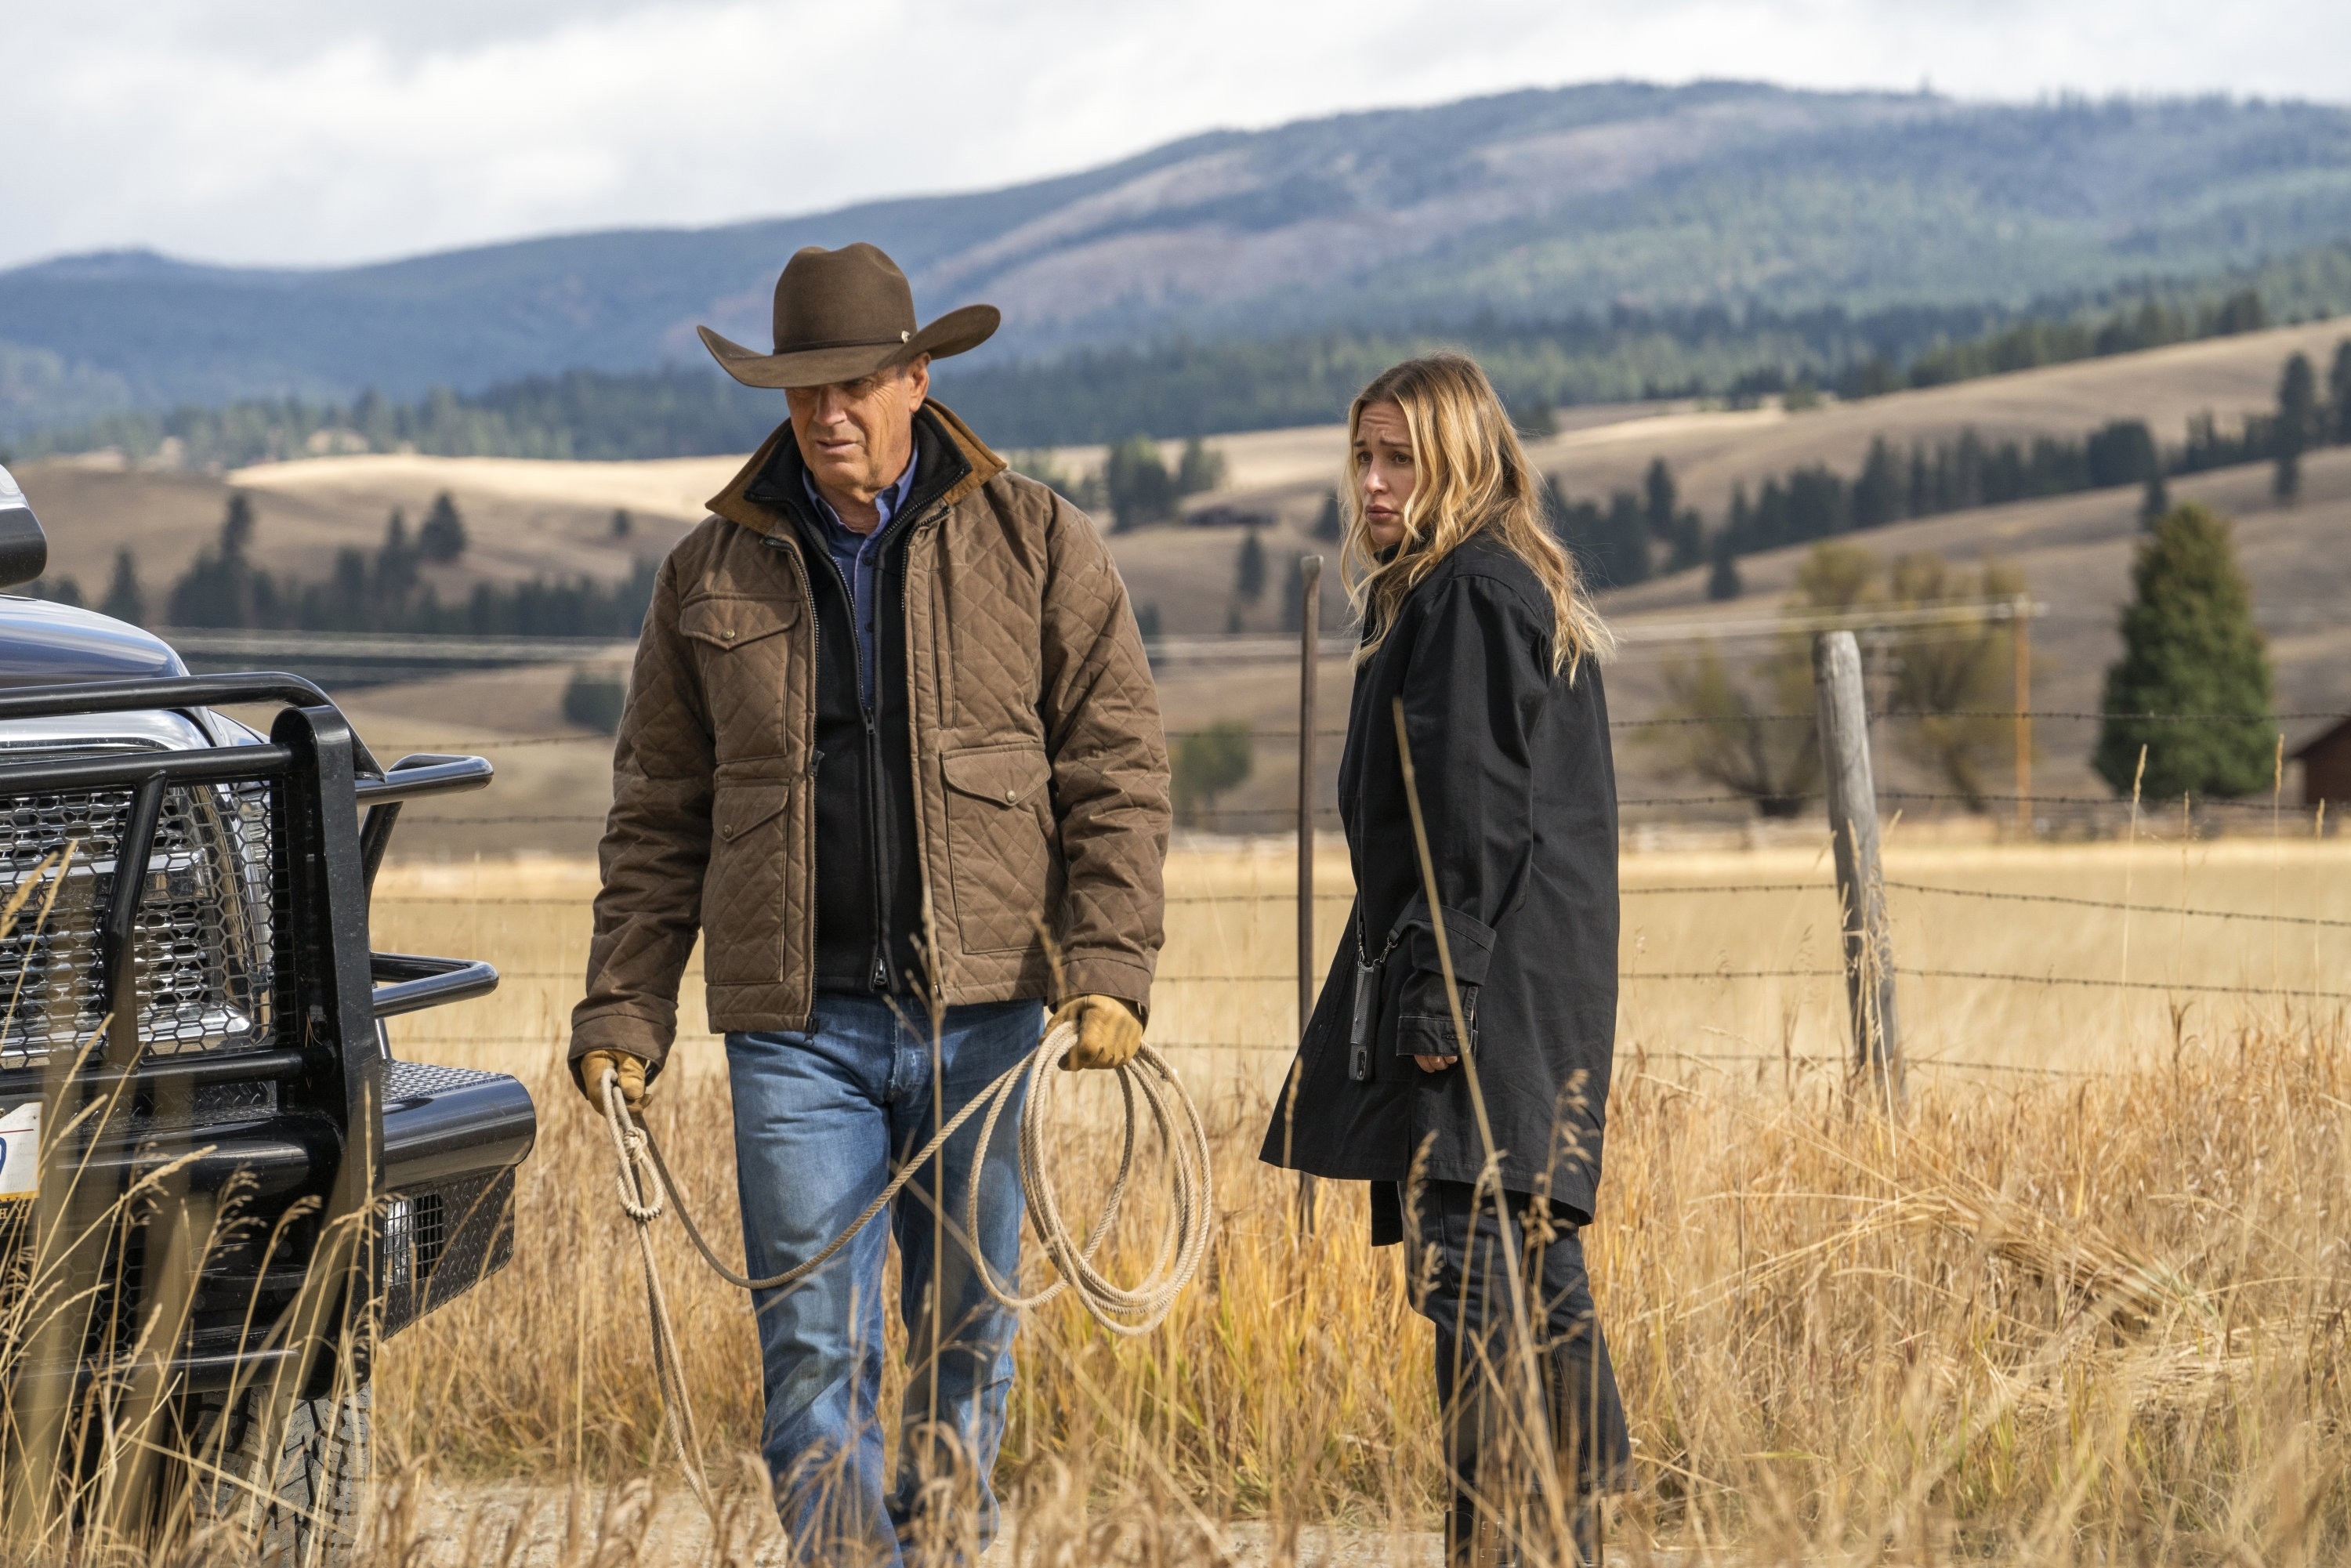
1039, 767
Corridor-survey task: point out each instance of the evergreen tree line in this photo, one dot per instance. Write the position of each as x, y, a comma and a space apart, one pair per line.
1624, 541
1928, 479
2153, 323
1134, 485
382, 589
1186, 388
1637, 534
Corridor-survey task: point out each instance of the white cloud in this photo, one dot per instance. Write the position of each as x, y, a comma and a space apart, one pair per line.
268, 130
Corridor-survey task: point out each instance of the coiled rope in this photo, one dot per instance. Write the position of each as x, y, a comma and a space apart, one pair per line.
647, 1187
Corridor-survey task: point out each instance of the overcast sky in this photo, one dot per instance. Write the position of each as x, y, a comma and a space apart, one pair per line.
278, 131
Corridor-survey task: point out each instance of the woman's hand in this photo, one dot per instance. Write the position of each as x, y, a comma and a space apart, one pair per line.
1436, 1063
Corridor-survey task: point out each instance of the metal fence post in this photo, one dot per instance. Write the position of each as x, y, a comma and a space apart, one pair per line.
1310, 637
1861, 886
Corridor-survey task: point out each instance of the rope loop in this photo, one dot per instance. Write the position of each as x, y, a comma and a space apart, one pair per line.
645, 1184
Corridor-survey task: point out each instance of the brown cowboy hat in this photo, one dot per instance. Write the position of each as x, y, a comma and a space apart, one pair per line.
844, 314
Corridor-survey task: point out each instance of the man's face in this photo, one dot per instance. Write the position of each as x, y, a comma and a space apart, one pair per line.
856, 437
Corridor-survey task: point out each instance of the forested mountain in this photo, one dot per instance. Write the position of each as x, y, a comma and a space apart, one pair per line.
1561, 208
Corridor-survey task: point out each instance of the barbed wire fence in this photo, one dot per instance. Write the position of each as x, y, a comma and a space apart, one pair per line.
1853, 896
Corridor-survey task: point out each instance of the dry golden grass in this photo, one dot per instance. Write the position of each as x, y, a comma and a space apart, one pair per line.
1226, 1003
2088, 1315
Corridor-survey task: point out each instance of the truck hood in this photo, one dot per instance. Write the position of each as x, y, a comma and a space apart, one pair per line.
43, 645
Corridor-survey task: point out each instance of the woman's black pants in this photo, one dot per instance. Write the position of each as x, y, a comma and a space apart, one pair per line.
1491, 1442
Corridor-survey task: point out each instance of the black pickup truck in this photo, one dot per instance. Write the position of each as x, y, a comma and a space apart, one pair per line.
219, 1190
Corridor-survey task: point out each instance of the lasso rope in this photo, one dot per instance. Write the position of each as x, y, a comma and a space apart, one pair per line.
646, 1187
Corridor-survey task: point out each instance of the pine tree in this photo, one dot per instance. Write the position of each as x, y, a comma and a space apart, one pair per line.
222, 587
2297, 418
1329, 523
2190, 647
1198, 470
1687, 539
1722, 582
1140, 490
236, 527
124, 600
1660, 497
442, 540
394, 577
2154, 502
2338, 395
1624, 543
1248, 570
1877, 495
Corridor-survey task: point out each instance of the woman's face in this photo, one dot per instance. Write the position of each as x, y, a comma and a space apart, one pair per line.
1384, 476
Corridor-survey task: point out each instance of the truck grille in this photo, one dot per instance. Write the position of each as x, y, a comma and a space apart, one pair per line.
205, 944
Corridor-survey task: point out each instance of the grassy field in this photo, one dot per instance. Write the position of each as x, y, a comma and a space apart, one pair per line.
1700, 930
2082, 1302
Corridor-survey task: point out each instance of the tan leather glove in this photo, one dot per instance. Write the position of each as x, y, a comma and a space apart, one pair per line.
632, 1069
1109, 1032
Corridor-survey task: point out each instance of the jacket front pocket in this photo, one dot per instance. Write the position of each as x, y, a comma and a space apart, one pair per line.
743, 892
999, 845
743, 661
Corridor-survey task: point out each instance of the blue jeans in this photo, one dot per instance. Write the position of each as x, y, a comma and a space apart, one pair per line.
822, 1121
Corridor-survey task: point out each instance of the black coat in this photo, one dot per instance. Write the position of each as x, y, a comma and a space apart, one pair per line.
1519, 791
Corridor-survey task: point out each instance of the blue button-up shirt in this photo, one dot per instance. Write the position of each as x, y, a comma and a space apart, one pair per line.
859, 558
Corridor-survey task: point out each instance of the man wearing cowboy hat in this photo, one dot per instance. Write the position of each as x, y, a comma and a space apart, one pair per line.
892, 746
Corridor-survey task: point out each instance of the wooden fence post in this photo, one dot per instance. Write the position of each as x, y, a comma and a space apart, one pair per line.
1861, 886
2020, 630
1310, 638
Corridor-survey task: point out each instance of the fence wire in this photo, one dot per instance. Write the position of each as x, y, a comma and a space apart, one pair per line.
1660, 721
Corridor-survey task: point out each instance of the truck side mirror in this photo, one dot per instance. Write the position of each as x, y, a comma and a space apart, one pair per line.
24, 547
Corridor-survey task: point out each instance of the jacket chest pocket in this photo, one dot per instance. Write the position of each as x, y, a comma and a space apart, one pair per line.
1001, 862
744, 660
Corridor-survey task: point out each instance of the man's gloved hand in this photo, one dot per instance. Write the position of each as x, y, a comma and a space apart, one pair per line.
632, 1069
1109, 1032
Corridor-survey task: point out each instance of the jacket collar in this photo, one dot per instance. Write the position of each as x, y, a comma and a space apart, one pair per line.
950, 435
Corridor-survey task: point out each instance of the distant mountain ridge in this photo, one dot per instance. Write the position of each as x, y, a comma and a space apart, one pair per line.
1536, 205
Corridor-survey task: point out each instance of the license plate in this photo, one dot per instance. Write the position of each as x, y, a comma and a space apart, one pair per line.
20, 1152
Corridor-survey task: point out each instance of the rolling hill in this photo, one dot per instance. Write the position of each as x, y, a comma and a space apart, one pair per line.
553, 520
1536, 206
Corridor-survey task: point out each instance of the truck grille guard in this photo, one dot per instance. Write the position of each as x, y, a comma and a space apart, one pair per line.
189, 956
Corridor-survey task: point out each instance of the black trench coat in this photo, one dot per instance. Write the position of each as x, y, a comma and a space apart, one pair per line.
1519, 791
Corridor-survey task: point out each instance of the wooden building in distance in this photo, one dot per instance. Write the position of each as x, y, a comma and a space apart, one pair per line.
2326, 759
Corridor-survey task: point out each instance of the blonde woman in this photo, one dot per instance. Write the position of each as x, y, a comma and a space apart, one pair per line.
1473, 618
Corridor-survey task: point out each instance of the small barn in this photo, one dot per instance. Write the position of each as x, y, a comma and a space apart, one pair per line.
2326, 759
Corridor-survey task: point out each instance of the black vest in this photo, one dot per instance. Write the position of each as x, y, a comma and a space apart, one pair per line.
869, 874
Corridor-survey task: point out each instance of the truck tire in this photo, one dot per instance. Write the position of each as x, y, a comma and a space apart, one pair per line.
310, 1516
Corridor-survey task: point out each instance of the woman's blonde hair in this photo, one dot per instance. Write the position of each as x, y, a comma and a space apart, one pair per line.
1470, 477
